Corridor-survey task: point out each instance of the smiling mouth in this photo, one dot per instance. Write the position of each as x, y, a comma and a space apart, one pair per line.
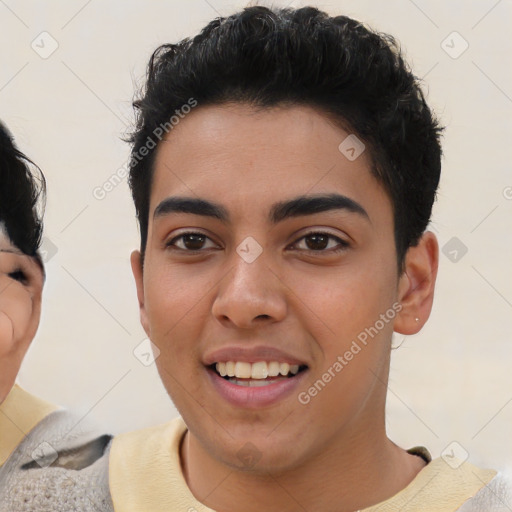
261, 373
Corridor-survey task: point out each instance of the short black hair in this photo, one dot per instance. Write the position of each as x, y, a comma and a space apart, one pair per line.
269, 57
22, 197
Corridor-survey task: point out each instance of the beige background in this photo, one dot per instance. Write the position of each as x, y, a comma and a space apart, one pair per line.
452, 382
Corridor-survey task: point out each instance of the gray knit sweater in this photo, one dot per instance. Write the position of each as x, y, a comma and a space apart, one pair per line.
60, 466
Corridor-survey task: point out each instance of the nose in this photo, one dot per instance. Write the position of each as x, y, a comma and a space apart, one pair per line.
250, 295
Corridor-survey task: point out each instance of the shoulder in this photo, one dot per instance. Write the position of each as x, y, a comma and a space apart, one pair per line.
170, 433
138, 452
145, 470
20, 414
62, 464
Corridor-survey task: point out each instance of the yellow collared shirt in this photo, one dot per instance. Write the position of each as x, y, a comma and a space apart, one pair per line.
145, 475
20, 412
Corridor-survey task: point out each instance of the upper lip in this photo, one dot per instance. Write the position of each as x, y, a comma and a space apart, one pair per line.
250, 355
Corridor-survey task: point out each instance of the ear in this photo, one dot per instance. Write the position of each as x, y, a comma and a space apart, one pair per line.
416, 285
138, 274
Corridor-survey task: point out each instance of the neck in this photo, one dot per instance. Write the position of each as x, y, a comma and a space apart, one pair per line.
359, 468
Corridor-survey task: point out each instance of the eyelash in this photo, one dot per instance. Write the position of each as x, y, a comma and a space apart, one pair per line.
342, 243
18, 275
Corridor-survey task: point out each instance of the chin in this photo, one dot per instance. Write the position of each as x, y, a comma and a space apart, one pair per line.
257, 456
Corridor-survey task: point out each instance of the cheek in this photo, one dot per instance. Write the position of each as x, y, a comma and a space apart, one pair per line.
343, 312
339, 305
6, 334
176, 308
15, 311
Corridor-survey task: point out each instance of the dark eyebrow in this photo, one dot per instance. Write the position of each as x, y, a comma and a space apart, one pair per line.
299, 206
308, 205
191, 205
13, 251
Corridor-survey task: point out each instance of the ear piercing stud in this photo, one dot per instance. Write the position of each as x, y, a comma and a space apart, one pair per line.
417, 319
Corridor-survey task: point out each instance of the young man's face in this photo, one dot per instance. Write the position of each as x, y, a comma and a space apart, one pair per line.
21, 282
293, 284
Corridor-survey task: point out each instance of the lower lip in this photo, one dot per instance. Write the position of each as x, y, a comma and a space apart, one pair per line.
255, 397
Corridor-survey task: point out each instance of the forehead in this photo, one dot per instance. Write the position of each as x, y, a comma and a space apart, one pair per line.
5, 242
253, 158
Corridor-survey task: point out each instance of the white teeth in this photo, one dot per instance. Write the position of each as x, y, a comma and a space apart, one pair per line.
273, 369
251, 383
243, 370
230, 369
221, 368
259, 370
256, 371
284, 368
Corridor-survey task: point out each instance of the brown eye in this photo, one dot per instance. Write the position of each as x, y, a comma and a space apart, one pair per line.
194, 242
190, 242
322, 243
317, 241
